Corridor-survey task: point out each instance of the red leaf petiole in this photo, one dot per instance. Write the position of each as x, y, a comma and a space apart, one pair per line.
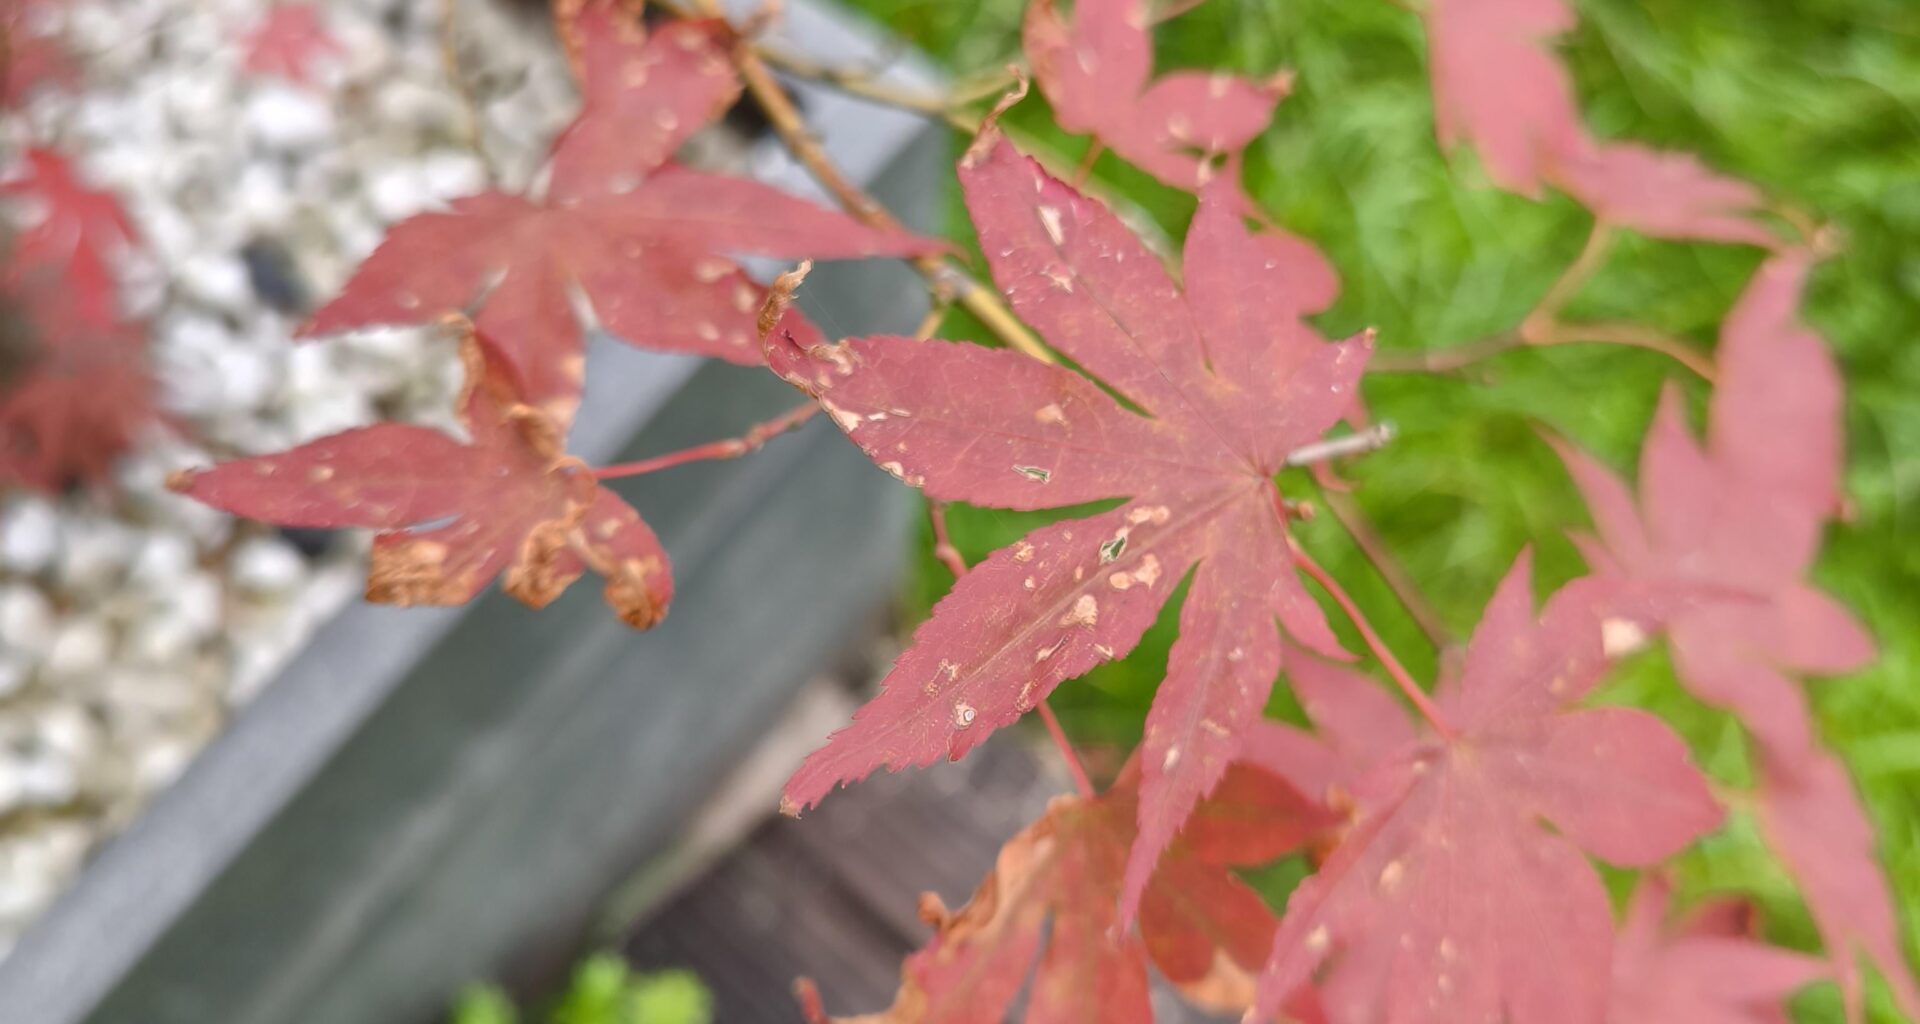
1411, 689
731, 448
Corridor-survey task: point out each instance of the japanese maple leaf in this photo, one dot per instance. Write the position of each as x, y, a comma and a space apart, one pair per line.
1703, 969
288, 42
1203, 928
517, 504
1230, 382
84, 396
1096, 68
647, 241
71, 226
1356, 726
1448, 899
29, 56
1660, 194
1814, 821
1498, 85
1741, 518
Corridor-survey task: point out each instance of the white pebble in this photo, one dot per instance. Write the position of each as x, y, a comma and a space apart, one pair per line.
263, 565
95, 553
396, 193
29, 535
80, 647
162, 559
47, 781
283, 118
26, 620
218, 280
450, 174
13, 674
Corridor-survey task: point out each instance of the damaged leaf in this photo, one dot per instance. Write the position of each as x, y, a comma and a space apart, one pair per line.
1230, 382
1052, 896
454, 515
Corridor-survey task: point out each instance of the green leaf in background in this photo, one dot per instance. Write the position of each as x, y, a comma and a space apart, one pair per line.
604, 990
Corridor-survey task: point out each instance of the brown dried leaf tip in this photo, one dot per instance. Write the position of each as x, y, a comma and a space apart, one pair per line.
780, 296
989, 133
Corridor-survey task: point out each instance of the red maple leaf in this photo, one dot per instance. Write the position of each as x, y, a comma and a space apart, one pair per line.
1356, 726
1095, 71
517, 502
1661, 194
1447, 900
30, 56
1742, 518
84, 395
81, 231
1203, 928
1814, 821
288, 43
1702, 969
647, 241
1498, 85
1230, 382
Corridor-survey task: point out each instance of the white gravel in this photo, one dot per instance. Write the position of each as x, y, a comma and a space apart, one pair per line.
133, 622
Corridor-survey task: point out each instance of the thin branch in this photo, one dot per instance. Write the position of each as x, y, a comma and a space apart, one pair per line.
1092, 156
1074, 768
943, 548
772, 97
861, 83
1459, 357
1542, 327
1353, 519
1537, 324
1358, 443
731, 448
1411, 689
1446, 360
1635, 336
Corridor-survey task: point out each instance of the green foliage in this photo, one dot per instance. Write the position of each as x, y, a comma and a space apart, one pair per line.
604, 990
1818, 103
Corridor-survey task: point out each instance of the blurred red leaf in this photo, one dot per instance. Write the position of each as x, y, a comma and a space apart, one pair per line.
83, 395
1702, 969
1231, 382
1447, 900
1356, 725
1095, 70
31, 56
1498, 85
648, 242
1814, 821
1662, 194
288, 42
1741, 518
71, 229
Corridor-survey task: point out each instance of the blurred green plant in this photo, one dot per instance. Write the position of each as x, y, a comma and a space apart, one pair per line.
1817, 103
604, 990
